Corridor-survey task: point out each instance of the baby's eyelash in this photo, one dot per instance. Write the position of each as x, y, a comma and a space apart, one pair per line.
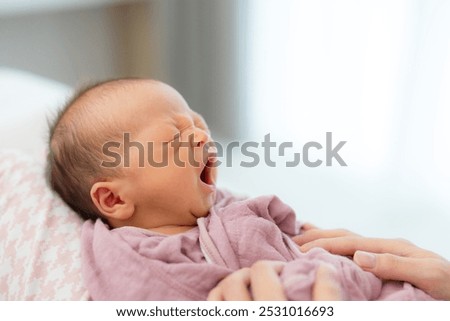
184, 128
197, 123
176, 136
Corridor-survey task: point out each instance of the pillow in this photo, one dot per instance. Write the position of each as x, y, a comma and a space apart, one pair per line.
40, 235
27, 100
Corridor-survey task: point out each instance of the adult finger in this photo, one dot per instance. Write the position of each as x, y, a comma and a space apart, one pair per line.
235, 287
265, 281
429, 274
308, 226
327, 286
315, 234
349, 244
336, 245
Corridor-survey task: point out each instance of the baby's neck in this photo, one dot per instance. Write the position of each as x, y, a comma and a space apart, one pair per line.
172, 229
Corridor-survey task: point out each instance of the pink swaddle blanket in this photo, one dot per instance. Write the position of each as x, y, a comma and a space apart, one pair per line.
135, 264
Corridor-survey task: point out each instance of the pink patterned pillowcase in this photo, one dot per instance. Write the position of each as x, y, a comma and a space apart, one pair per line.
39, 236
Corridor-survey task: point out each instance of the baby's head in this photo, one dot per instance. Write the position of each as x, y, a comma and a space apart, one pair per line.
162, 174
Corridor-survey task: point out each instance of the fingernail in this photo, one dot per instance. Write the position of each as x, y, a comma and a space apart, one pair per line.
364, 259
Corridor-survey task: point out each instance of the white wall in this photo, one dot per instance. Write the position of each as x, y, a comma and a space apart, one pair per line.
69, 45
193, 45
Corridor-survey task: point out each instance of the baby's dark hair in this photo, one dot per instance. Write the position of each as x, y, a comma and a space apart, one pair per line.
76, 136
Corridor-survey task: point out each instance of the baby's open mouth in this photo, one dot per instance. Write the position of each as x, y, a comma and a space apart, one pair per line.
206, 174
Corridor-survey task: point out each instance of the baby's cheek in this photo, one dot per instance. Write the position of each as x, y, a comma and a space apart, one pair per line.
151, 155
188, 157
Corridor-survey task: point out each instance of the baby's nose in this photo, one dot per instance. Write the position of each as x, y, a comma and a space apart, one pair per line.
200, 137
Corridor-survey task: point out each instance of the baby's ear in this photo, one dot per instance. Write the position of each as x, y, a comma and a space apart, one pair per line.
109, 200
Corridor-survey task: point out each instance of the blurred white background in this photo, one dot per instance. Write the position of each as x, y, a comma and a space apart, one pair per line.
377, 75
374, 73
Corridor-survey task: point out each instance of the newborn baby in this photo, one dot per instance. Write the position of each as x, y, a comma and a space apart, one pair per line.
166, 199
132, 159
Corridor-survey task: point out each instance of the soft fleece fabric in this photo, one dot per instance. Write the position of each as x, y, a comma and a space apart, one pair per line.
135, 264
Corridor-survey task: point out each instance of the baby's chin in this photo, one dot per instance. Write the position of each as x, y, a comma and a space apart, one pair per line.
204, 213
207, 207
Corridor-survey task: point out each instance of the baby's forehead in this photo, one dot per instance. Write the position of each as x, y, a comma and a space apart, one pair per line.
152, 100
131, 104
119, 97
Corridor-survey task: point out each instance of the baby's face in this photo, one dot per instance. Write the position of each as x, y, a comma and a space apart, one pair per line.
174, 186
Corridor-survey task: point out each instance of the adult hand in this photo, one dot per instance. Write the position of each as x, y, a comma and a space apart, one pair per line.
390, 259
264, 281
